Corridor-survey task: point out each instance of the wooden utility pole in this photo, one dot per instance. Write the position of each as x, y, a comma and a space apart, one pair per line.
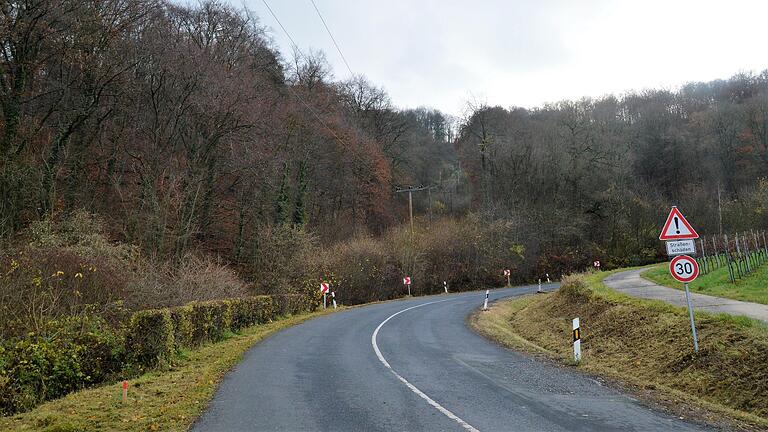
410, 191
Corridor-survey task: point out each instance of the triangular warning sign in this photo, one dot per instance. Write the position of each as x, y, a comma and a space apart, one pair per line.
677, 228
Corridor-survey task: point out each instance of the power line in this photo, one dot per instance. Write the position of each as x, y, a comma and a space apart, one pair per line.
295, 46
290, 87
332, 38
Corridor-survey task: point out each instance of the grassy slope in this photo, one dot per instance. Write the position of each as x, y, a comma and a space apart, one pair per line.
645, 345
753, 288
164, 401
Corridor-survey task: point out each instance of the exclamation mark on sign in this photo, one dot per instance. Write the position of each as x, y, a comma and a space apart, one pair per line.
677, 226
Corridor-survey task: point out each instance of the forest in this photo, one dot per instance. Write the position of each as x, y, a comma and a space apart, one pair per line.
176, 148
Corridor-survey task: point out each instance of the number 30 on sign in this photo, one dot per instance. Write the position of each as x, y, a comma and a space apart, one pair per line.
684, 268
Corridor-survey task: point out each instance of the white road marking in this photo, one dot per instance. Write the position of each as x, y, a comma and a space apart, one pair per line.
413, 388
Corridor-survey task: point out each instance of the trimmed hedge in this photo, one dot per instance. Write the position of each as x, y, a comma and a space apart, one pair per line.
292, 304
251, 311
183, 327
75, 353
149, 339
86, 351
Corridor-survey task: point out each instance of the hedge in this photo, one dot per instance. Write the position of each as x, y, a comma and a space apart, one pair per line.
73, 354
149, 339
85, 351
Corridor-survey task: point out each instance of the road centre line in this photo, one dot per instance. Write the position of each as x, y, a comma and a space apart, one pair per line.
413, 388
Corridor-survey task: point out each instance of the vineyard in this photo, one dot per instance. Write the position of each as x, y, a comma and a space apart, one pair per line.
741, 253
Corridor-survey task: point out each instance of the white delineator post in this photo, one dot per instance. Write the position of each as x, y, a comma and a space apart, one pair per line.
576, 341
548, 281
485, 303
445, 286
333, 295
539, 290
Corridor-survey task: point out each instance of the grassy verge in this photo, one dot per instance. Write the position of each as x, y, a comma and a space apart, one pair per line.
164, 401
646, 346
752, 288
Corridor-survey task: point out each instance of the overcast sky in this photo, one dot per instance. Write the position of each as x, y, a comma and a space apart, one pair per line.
442, 53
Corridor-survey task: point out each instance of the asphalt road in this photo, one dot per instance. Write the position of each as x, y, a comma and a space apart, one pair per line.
431, 373
631, 283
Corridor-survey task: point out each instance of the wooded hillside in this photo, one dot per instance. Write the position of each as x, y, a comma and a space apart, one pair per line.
187, 131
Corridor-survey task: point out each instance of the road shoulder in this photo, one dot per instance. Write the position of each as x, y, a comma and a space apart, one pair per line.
540, 326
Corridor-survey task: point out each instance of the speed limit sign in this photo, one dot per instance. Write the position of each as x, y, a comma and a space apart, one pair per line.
684, 268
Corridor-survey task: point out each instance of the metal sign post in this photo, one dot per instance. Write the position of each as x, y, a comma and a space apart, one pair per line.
685, 269
680, 235
693, 323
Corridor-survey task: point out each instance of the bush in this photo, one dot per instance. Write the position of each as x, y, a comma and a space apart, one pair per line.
183, 330
149, 339
77, 352
83, 352
221, 319
468, 254
291, 304
282, 258
210, 320
364, 270
38, 286
251, 311
194, 279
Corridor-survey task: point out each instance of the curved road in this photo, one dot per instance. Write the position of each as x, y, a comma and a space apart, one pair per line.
423, 369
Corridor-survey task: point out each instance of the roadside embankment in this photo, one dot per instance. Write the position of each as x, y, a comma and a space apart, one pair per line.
645, 345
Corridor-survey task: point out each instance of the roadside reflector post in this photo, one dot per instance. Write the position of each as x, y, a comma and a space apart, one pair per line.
333, 295
324, 288
125, 391
548, 281
445, 286
485, 304
576, 341
539, 290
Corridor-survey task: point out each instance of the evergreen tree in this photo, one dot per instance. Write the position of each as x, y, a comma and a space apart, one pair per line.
281, 204
300, 208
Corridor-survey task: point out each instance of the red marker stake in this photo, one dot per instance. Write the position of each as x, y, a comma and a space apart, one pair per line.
125, 391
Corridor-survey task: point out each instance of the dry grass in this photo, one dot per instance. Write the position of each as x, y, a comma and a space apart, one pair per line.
646, 345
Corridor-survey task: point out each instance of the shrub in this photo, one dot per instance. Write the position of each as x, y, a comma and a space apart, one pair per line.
291, 304
221, 319
80, 351
364, 270
149, 339
183, 330
210, 320
194, 279
83, 351
38, 286
281, 257
251, 310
